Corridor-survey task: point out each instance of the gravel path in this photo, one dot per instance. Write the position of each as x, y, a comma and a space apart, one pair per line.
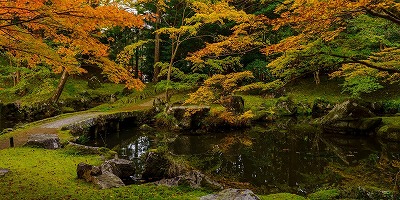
58, 124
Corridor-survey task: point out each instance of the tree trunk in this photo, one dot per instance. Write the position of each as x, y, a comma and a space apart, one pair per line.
18, 76
316, 77
171, 62
157, 47
60, 87
136, 68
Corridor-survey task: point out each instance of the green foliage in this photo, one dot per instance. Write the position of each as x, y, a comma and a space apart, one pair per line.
187, 81
194, 78
165, 120
175, 72
219, 66
324, 195
360, 84
282, 196
260, 70
261, 87
171, 85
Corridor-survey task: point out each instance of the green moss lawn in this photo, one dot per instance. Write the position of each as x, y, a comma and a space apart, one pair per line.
51, 174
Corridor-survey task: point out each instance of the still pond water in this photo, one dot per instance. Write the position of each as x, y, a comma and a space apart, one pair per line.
288, 156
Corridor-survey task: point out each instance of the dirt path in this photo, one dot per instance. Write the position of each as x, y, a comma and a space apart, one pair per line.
20, 137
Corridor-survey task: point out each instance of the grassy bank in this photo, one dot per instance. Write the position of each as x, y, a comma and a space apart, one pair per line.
51, 174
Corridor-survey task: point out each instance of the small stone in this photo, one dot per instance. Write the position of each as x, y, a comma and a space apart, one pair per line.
3, 172
7, 130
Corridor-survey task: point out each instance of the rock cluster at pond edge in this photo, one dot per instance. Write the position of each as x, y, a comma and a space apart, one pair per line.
349, 117
108, 175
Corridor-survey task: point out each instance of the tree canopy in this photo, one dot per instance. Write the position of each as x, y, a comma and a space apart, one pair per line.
64, 34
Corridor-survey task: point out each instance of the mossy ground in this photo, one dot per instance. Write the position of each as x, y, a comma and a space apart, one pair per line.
51, 174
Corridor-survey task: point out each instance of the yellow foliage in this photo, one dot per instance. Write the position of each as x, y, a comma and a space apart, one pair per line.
218, 85
236, 120
203, 95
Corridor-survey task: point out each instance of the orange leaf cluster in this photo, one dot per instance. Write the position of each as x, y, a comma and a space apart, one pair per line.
61, 32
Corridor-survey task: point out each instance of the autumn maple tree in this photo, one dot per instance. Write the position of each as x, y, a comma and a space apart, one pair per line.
64, 34
357, 39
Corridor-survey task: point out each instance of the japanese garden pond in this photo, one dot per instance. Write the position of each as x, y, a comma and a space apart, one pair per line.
284, 156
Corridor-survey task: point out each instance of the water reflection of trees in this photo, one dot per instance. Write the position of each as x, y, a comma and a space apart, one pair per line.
138, 147
284, 159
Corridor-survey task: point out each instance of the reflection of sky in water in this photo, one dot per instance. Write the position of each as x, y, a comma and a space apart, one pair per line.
138, 147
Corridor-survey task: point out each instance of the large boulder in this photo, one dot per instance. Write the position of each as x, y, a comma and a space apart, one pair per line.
120, 167
350, 117
232, 194
47, 141
193, 178
189, 117
107, 180
103, 179
233, 104
86, 171
390, 132
159, 166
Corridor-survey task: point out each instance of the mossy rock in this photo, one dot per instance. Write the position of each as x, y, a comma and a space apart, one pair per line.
324, 195
320, 106
285, 106
159, 165
282, 196
390, 132
374, 193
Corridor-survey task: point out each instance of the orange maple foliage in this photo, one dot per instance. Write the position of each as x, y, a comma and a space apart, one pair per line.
325, 19
64, 33
243, 37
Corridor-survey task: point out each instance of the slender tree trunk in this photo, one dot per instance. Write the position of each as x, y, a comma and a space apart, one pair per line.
136, 69
157, 47
171, 62
316, 77
18, 76
60, 87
